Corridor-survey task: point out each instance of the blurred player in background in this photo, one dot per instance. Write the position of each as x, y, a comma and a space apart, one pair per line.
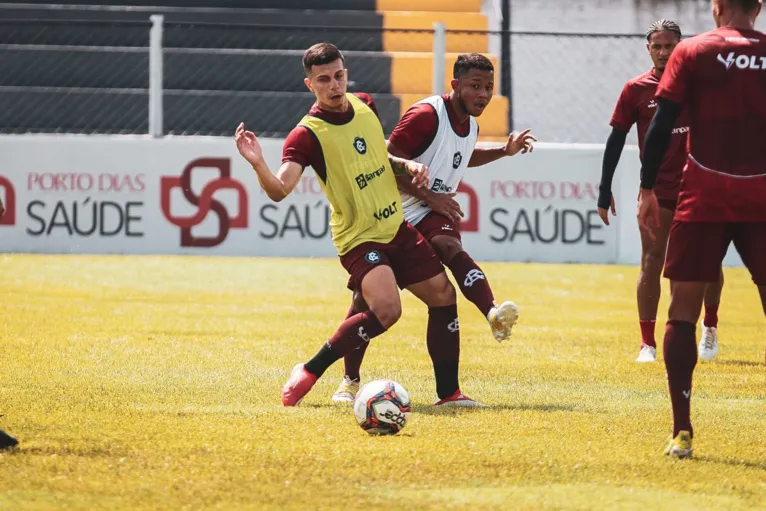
343, 140
719, 79
441, 132
6, 440
637, 105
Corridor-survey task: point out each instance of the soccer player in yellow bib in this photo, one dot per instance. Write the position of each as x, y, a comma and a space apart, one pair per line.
342, 139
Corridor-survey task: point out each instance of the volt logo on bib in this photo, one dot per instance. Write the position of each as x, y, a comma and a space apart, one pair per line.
742, 61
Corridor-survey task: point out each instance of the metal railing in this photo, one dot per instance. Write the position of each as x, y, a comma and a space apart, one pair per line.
156, 77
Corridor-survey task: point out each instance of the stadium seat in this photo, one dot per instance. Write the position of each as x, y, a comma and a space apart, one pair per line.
85, 68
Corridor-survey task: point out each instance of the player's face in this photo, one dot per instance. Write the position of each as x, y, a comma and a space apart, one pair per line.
660, 46
329, 82
474, 90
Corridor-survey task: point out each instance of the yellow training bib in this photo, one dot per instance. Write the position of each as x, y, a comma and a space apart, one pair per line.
360, 185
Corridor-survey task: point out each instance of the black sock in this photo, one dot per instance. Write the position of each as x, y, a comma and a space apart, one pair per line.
446, 378
324, 358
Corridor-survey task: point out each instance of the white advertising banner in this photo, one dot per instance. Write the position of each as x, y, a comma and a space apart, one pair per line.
194, 195
537, 207
104, 195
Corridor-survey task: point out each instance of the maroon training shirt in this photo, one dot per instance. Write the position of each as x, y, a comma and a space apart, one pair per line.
302, 146
637, 105
417, 129
719, 78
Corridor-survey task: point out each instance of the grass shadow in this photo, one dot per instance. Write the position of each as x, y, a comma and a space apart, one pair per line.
731, 462
744, 363
453, 411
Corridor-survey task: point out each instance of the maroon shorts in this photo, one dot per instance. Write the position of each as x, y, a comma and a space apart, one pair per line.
409, 255
436, 224
696, 249
669, 204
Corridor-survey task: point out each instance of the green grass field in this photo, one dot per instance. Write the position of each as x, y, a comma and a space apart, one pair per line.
153, 383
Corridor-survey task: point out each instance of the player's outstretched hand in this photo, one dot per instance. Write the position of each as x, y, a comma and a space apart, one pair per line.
445, 204
604, 213
419, 173
523, 142
248, 145
648, 212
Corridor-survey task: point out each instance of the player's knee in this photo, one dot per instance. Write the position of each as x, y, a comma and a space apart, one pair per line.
652, 261
446, 248
444, 292
388, 312
359, 304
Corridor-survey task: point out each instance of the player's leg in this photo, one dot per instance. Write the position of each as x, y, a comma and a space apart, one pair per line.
443, 337
648, 287
694, 255
349, 385
378, 285
475, 286
419, 270
7, 441
750, 242
708, 346
762, 292
444, 236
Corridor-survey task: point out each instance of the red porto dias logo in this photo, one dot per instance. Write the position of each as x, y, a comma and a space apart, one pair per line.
8, 208
471, 224
205, 202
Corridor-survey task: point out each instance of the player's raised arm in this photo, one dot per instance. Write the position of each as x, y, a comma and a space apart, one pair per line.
517, 143
278, 186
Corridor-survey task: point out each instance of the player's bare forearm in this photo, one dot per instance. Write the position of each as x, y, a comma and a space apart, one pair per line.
278, 186
523, 143
399, 165
482, 156
404, 183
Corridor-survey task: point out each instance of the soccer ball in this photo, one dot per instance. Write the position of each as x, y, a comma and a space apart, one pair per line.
382, 407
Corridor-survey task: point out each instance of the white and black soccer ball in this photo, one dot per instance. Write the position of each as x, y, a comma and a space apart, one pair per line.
382, 407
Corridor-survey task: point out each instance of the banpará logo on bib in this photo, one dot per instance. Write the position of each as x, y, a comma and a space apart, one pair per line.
440, 187
360, 145
372, 257
457, 160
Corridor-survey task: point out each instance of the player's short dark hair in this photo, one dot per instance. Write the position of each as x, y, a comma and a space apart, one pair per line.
320, 54
663, 26
468, 61
745, 5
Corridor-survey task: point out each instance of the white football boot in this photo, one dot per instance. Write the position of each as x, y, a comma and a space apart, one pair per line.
647, 354
708, 347
346, 391
501, 320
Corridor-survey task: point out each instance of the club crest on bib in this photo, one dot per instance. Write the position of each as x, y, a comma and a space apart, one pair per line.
457, 159
372, 257
360, 145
